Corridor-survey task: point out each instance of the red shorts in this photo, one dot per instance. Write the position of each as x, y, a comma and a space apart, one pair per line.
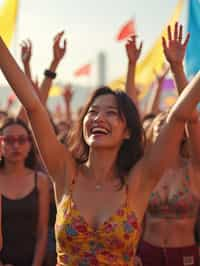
157, 256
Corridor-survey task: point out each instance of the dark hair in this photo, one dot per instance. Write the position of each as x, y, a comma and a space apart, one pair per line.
31, 160
131, 149
148, 116
160, 120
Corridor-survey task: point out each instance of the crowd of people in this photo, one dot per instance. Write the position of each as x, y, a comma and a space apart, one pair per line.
111, 185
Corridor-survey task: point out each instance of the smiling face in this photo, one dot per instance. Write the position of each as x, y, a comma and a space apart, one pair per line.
103, 126
15, 143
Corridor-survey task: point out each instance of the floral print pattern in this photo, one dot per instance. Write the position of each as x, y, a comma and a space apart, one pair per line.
113, 243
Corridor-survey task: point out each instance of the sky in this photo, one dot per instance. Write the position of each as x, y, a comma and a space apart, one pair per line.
90, 27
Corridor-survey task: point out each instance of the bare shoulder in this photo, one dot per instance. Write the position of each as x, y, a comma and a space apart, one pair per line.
137, 175
43, 180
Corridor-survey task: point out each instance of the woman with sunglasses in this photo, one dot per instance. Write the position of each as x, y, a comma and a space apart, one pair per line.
102, 182
24, 198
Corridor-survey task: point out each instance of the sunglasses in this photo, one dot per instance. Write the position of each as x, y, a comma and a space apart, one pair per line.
11, 140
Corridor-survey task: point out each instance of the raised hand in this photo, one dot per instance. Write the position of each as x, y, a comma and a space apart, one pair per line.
174, 47
26, 51
68, 93
133, 53
58, 49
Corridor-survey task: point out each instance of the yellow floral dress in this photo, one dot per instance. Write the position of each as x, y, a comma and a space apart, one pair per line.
78, 244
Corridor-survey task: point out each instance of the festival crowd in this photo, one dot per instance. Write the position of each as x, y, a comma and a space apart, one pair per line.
113, 184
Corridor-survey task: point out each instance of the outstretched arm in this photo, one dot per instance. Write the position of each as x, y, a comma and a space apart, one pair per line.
67, 95
166, 148
133, 53
154, 101
43, 217
55, 156
174, 49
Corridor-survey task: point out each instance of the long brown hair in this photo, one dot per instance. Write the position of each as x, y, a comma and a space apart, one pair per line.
131, 149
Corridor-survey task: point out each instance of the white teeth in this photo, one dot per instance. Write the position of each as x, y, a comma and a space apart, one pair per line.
99, 130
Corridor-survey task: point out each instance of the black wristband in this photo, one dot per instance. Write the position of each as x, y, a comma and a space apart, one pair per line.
49, 74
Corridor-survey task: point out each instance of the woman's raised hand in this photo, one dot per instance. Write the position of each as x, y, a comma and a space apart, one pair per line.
26, 51
133, 53
58, 49
174, 46
68, 93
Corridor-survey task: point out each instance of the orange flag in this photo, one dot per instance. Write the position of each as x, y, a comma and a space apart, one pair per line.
127, 30
85, 70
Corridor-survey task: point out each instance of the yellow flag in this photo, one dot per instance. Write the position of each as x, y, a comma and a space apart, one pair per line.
8, 15
55, 91
154, 59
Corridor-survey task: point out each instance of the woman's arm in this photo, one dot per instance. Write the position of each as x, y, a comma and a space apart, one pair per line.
133, 54
163, 152
43, 216
154, 101
55, 155
67, 95
174, 49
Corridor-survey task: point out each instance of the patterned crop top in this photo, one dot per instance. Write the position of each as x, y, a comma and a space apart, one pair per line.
175, 201
113, 243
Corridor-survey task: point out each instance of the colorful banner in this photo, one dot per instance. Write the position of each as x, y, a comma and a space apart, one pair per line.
8, 16
84, 70
127, 30
154, 60
192, 53
56, 90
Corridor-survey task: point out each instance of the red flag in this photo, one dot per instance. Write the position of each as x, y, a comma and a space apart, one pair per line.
126, 30
11, 98
85, 70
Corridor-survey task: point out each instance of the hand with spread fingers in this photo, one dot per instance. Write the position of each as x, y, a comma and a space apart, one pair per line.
133, 53
174, 46
58, 49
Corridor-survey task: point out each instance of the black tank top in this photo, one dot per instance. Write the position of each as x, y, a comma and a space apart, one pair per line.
19, 225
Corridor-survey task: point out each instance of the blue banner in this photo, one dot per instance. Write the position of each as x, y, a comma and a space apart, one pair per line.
193, 49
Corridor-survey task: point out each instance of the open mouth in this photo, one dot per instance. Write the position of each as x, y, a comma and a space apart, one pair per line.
99, 131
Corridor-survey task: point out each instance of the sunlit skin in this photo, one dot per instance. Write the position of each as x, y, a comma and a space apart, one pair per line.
15, 152
173, 185
17, 180
104, 115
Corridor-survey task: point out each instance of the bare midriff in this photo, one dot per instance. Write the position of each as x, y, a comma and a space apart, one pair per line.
170, 232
